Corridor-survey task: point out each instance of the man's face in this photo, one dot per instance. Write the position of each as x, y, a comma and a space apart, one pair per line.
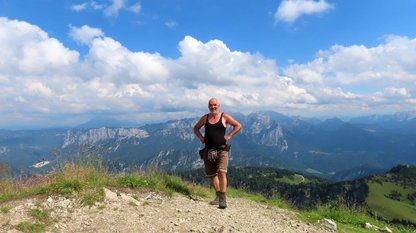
213, 106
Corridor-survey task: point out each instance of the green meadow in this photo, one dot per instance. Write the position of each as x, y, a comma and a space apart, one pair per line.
390, 209
293, 179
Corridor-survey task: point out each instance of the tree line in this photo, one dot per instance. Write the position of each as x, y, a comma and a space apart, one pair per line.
267, 181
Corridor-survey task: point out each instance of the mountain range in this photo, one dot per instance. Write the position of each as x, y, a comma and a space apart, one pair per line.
333, 148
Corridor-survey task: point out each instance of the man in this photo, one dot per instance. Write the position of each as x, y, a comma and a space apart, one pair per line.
215, 155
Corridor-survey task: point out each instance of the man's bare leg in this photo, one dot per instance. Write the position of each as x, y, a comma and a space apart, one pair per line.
222, 182
216, 184
222, 178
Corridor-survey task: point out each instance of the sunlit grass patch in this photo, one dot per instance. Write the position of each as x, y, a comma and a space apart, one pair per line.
136, 181
155, 181
272, 201
6, 186
91, 196
28, 227
5, 209
349, 219
40, 215
388, 208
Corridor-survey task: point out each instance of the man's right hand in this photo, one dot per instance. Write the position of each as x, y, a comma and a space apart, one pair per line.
202, 139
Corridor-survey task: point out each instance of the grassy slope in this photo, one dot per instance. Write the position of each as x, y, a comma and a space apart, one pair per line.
244, 177
293, 179
388, 208
85, 180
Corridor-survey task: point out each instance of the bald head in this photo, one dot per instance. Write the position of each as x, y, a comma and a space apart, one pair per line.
213, 106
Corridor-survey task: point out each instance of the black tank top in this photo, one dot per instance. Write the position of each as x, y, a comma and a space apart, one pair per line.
214, 134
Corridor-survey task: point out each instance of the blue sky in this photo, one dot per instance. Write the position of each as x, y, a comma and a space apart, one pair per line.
64, 62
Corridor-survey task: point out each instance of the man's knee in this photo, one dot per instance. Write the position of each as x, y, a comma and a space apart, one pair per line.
222, 175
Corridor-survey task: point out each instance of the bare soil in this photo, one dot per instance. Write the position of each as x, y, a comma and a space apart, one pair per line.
151, 212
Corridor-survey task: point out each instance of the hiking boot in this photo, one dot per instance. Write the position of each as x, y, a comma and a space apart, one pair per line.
216, 201
222, 202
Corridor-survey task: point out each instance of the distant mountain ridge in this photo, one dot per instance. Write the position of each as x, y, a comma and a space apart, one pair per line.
398, 122
94, 136
332, 148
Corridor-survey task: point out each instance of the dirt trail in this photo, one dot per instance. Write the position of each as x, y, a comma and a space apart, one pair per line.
152, 212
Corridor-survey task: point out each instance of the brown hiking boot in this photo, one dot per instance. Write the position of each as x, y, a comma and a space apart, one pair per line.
216, 201
222, 202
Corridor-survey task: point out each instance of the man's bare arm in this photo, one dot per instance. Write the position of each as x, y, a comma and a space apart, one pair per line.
197, 127
234, 123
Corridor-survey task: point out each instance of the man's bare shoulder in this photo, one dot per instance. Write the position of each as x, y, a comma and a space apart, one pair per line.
229, 119
201, 121
203, 117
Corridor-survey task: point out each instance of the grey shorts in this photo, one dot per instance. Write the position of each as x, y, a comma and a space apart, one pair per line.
220, 164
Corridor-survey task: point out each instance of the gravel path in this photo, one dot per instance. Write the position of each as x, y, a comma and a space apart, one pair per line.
153, 212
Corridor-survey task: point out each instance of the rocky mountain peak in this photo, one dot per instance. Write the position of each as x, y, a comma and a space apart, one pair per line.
93, 136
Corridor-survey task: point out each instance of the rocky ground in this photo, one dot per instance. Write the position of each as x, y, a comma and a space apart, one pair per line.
150, 212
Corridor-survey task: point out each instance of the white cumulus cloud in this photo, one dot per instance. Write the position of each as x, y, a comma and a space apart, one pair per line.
42, 81
171, 24
373, 75
290, 10
114, 8
86, 6
79, 7
136, 8
85, 34
111, 9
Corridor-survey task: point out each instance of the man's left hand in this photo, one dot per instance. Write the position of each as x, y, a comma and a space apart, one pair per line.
227, 137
